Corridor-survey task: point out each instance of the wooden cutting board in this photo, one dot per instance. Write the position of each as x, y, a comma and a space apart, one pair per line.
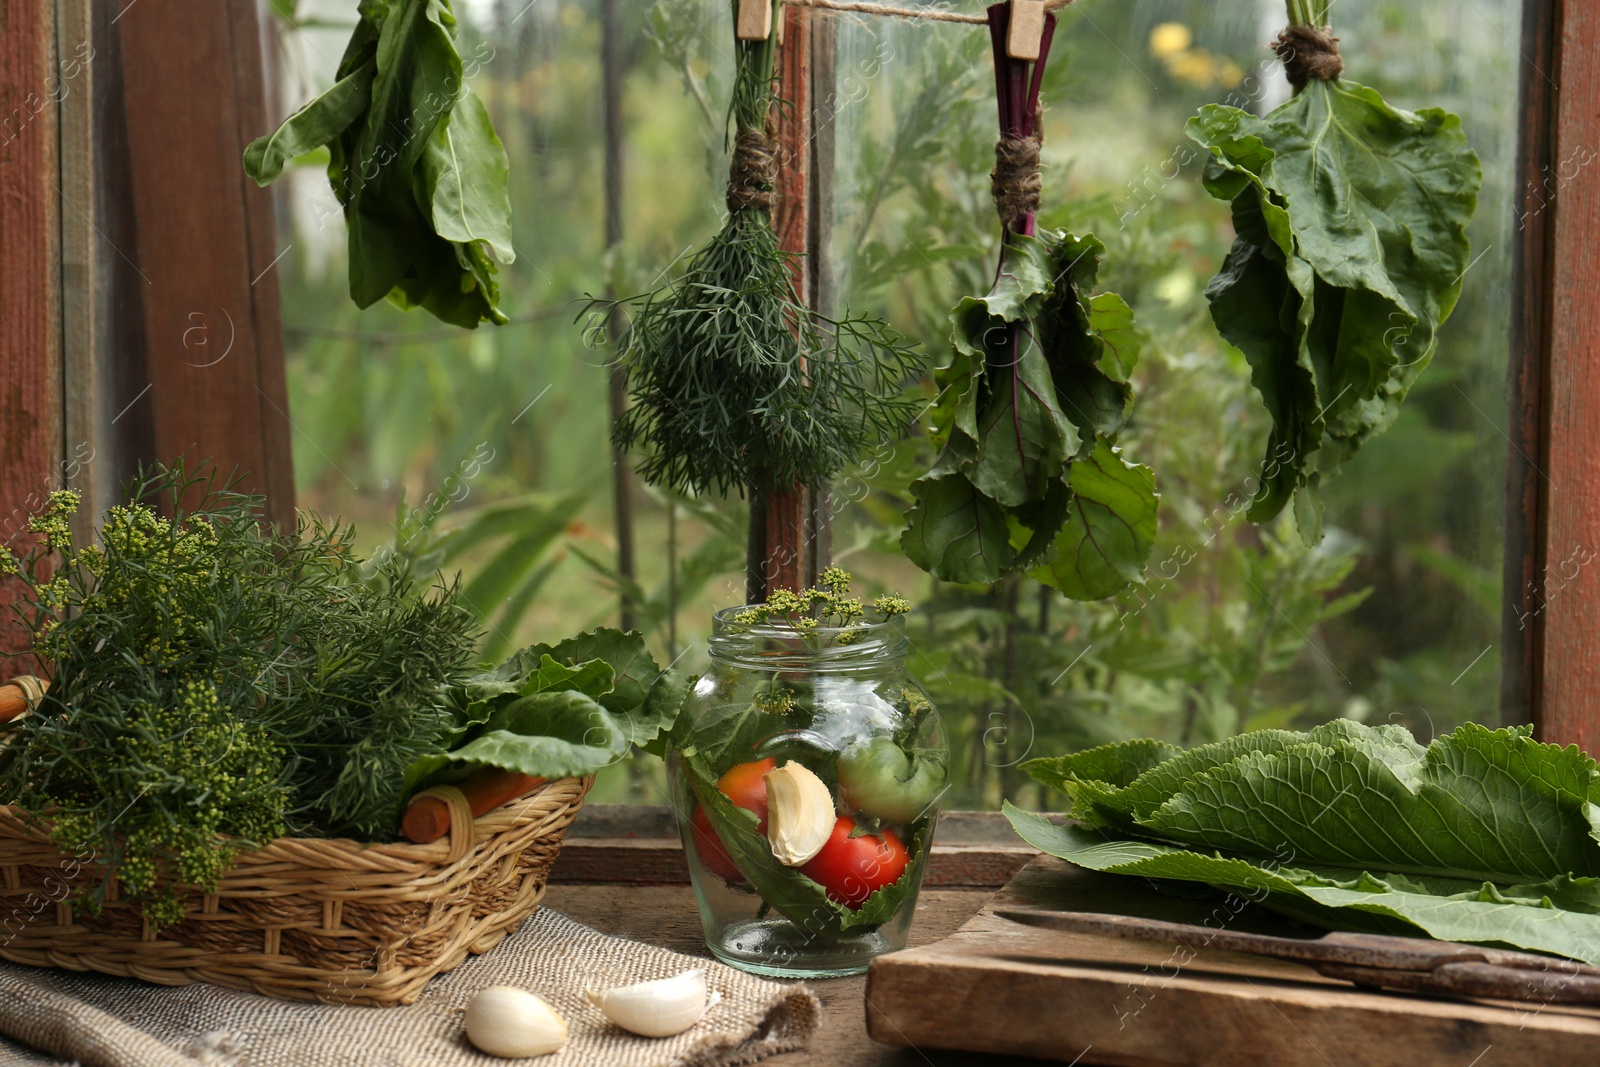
1000, 987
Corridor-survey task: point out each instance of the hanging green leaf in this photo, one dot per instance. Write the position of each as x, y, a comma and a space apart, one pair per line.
1028, 411
313, 126
955, 532
1351, 246
1110, 527
413, 159
467, 178
1032, 400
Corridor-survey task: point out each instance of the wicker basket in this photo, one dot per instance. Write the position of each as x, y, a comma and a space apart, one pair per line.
302, 918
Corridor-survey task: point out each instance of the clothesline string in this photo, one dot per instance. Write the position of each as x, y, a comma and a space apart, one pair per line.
932, 14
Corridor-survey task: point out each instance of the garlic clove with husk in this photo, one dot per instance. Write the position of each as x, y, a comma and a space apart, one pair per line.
658, 1008
800, 815
505, 1021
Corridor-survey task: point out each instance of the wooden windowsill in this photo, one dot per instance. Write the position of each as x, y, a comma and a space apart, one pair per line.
638, 843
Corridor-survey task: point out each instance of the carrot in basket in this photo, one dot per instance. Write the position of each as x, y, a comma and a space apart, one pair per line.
21, 694
428, 818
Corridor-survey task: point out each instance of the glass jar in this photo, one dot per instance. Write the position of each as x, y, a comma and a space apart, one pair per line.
837, 701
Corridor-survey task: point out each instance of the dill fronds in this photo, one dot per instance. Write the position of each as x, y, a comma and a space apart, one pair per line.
216, 683
734, 382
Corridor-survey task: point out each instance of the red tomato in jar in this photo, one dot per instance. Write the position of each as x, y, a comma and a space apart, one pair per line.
708, 846
744, 786
851, 869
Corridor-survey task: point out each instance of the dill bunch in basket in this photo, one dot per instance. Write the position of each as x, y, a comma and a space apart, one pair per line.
734, 382
149, 743
166, 769
368, 691
216, 683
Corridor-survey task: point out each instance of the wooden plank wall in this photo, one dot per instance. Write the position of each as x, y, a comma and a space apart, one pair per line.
87, 465
1552, 632
30, 352
204, 242
138, 299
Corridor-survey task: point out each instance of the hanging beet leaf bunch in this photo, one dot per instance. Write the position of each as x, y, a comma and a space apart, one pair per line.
734, 382
415, 162
1351, 220
1030, 476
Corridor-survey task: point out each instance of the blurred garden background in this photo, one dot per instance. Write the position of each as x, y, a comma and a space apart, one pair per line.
487, 452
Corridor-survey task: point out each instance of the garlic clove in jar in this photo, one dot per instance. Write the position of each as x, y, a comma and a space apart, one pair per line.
800, 814
658, 1008
505, 1021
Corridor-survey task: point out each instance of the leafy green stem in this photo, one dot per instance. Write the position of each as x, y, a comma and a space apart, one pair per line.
1308, 12
752, 88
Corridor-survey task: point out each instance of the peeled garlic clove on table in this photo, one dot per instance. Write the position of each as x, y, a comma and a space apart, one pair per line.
505, 1021
659, 1008
800, 815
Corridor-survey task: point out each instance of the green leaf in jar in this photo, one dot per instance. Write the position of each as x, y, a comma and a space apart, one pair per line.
795, 896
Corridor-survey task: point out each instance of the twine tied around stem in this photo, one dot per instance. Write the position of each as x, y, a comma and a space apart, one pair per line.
1015, 183
1308, 52
752, 171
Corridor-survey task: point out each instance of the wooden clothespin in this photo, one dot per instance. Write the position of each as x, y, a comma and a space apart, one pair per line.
755, 20
1025, 30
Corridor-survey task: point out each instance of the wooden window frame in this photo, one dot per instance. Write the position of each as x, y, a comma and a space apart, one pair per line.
1550, 673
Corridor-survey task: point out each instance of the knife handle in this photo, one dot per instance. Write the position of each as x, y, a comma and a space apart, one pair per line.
1477, 979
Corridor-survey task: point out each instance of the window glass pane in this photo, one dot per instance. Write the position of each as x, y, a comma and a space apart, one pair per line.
1394, 618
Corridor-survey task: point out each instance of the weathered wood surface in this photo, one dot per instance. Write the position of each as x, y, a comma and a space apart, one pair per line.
1552, 630
821, 500
999, 987
666, 916
30, 309
85, 354
1525, 385
779, 551
640, 844
204, 246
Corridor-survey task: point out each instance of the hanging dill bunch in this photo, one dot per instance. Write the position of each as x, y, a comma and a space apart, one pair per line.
734, 381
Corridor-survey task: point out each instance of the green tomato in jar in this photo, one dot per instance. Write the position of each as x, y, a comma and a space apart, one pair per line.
880, 778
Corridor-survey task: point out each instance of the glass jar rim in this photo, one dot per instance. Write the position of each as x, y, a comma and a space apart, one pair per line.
866, 644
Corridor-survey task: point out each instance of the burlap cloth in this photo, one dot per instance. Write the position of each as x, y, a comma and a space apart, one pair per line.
53, 1017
